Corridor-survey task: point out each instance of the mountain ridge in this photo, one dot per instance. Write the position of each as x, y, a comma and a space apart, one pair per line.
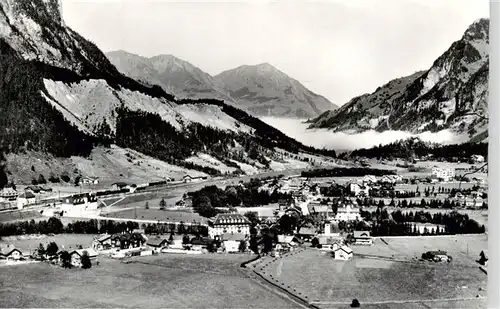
60, 95
188, 81
451, 94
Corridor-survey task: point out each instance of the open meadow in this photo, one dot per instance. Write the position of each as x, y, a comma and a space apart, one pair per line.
164, 281
386, 275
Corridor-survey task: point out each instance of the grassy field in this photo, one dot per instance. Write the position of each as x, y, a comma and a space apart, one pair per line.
382, 273
69, 241
165, 281
156, 214
19, 216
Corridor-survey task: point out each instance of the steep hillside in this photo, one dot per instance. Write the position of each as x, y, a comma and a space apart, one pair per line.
452, 94
176, 76
60, 95
264, 90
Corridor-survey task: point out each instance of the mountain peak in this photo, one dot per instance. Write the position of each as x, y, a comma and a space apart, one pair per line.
478, 30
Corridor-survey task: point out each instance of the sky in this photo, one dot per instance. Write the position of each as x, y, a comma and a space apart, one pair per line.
339, 49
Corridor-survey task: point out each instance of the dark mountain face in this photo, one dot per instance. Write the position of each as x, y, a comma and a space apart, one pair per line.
59, 94
452, 94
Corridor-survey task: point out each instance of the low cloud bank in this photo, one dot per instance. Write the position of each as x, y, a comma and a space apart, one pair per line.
297, 129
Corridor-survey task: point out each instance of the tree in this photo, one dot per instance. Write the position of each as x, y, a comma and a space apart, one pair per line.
185, 240
163, 204
66, 259
355, 303
52, 249
40, 252
147, 205
252, 217
243, 246
86, 263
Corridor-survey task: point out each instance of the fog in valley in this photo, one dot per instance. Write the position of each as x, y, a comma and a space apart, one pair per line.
297, 129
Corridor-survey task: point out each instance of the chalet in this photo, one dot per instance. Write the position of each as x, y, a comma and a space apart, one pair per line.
370, 179
11, 253
342, 252
119, 185
157, 242
391, 179
357, 189
189, 178
89, 181
306, 233
229, 223
327, 242
316, 207
286, 240
25, 198
347, 212
474, 203
445, 174
8, 195
200, 243
102, 243
362, 238
76, 256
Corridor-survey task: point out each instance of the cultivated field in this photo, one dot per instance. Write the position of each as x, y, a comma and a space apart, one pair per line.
165, 281
20, 216
387, 274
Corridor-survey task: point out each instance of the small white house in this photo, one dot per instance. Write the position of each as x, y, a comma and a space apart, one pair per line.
343, 253
359, 189
26, 198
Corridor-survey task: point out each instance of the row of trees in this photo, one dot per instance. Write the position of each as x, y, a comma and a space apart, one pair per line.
51, 252
414, 147
55, 226
206, 201
346, 172
399, 223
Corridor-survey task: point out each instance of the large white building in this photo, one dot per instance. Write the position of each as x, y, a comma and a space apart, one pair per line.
447, 174
347, 212
229, 224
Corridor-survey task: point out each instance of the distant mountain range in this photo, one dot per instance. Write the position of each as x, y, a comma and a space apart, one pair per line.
452, 94
261, 90
60, 95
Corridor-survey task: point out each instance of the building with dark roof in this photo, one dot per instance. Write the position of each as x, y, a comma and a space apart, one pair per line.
231, 223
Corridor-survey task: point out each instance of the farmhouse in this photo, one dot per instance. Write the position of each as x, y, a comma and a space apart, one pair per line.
102, 243
157, 242
200, 243
76, 256
369, 179
89, 181
176, 242
11, 253
446, 174
26, 198
343, 253
8, 194
362, 238
357, 189
347, 212
317, 208
229, 224
306, 233
189, 178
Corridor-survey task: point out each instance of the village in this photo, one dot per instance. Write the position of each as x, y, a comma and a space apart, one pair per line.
336, 204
